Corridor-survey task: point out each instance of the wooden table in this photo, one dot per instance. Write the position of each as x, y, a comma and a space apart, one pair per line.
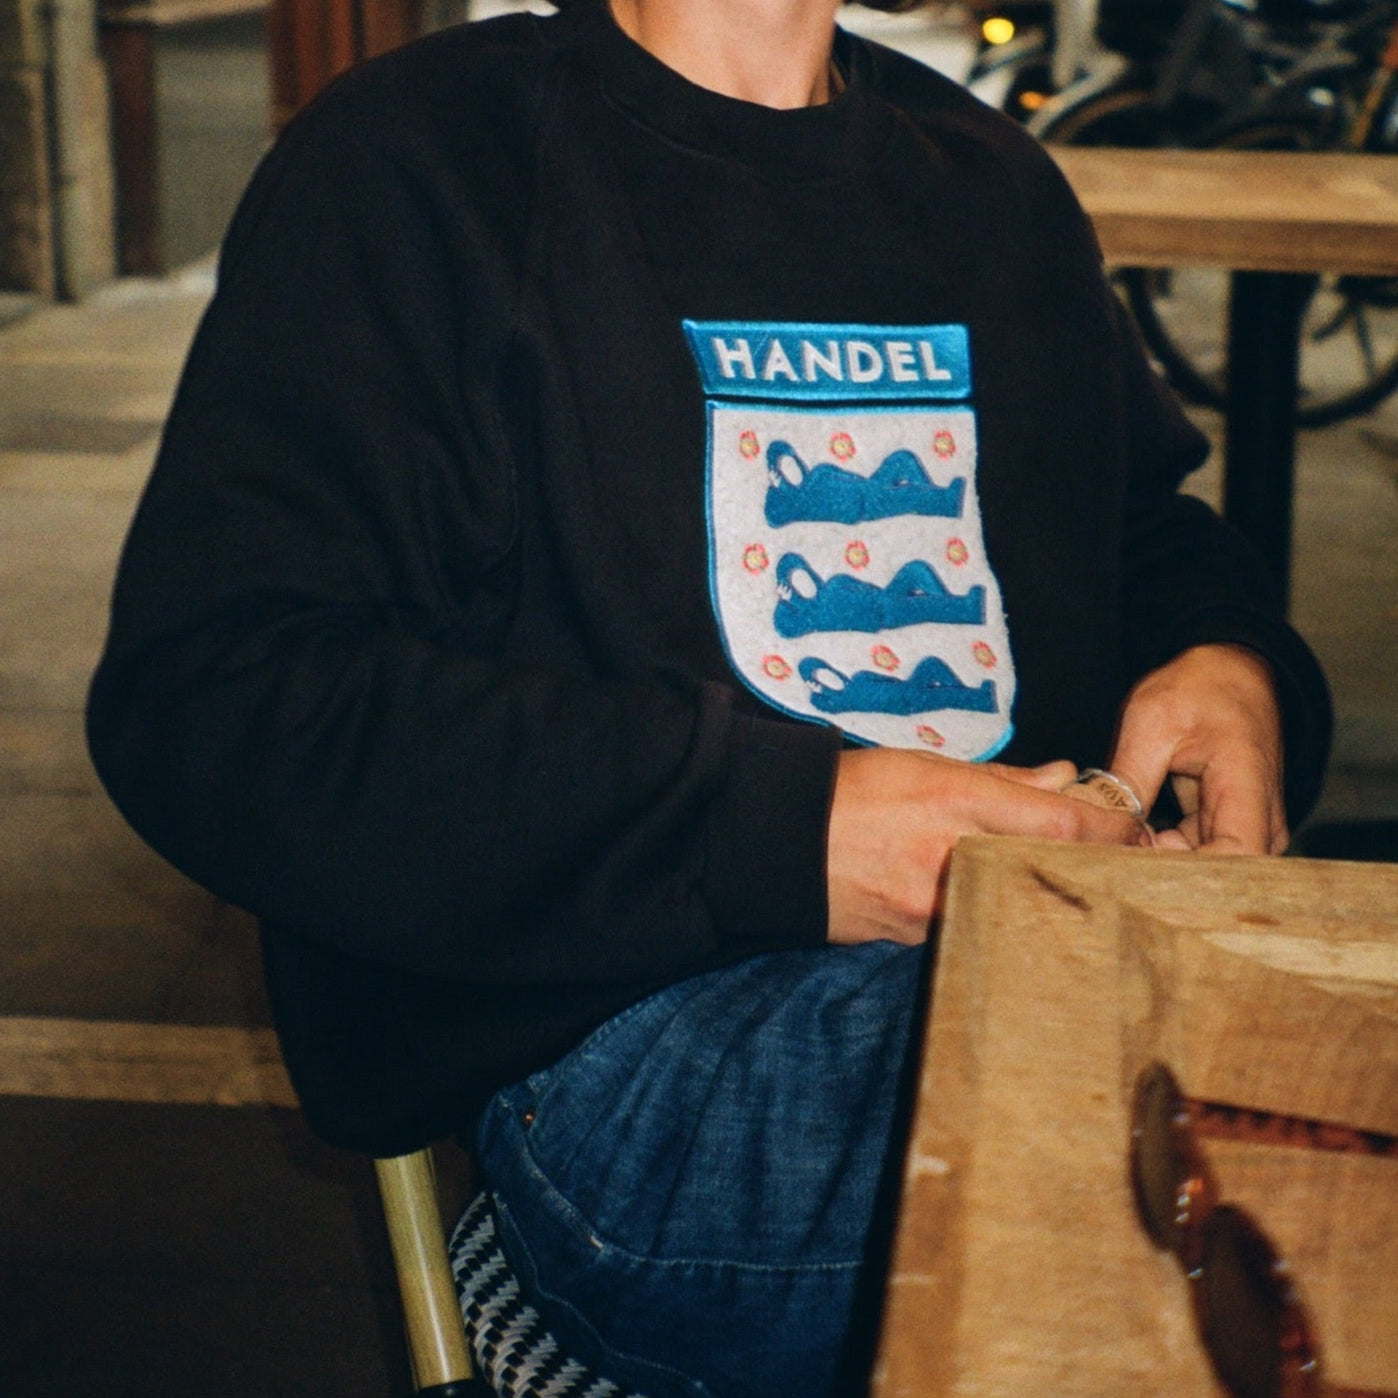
1019, 1266
1274, 219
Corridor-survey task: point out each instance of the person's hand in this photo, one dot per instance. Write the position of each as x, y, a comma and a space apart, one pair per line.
1208, 720
896, 815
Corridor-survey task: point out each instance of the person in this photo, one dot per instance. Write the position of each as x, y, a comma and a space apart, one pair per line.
650, 479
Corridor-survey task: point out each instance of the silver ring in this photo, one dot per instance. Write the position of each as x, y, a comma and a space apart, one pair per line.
1114, 791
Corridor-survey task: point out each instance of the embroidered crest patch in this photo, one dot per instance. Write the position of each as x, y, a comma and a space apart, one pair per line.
847, 563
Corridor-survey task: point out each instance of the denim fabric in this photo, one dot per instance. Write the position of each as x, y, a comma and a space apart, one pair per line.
696, 1199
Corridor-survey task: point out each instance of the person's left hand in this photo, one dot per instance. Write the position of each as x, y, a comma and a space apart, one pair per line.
1209, 721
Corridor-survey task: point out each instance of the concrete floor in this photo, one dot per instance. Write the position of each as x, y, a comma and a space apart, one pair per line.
195, 1249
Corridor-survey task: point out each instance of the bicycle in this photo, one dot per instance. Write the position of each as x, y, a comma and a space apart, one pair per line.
1029, 50
1222, 79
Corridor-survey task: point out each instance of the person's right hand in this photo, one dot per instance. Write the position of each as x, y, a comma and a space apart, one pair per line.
896, 815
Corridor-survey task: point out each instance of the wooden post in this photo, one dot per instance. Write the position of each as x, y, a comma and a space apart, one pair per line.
313, 41
129, 54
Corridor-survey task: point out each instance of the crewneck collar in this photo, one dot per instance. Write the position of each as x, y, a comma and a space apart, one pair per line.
799, 143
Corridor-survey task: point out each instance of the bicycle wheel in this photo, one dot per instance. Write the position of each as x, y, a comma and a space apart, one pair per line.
1119, 116
1348, 359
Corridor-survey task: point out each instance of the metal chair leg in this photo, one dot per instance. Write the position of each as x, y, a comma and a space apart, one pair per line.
436, 1340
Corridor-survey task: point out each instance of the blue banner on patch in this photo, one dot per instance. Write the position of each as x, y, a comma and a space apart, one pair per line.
831, 363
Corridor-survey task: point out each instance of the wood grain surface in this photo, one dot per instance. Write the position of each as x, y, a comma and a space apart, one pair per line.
1019, 1266
1268, 211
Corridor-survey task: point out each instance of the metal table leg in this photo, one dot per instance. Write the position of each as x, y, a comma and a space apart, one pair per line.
1264, 326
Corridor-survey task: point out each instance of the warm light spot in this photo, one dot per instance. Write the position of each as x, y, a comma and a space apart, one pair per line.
998, 29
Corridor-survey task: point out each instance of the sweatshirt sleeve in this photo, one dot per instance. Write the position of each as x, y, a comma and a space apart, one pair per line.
309, 701
1188, 577
1191, 578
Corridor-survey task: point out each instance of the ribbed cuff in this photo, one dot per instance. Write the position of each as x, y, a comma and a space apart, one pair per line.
765, 872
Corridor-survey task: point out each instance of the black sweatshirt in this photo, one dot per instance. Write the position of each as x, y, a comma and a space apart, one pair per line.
424, 646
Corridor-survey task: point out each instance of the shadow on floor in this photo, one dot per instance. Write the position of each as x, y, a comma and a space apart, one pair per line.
204, 1252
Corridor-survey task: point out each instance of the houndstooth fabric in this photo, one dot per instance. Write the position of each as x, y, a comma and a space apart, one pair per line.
515, 1354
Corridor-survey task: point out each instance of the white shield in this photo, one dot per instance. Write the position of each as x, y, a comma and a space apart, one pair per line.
849, 573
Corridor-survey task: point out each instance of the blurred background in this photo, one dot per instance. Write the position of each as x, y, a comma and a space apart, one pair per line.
167, 1225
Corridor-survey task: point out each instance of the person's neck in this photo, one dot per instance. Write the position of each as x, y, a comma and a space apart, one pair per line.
774, 52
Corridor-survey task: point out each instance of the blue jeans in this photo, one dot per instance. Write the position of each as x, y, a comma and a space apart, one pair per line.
698, 1198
